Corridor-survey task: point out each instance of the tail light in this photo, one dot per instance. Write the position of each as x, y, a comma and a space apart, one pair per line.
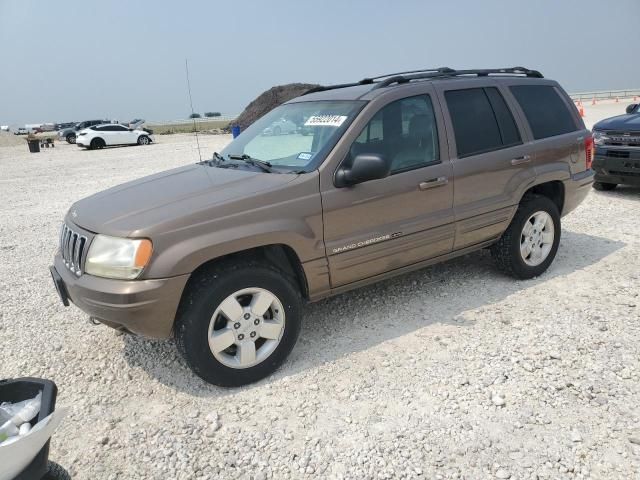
588, 150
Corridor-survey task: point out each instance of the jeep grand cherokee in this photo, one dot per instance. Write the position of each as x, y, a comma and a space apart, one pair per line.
392, 174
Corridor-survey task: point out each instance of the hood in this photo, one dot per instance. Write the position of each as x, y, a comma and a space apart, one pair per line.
140, 205
629, 122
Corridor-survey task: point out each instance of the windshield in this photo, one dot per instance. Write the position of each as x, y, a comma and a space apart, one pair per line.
296, 136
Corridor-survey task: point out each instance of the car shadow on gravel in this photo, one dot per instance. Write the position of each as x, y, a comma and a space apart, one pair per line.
626, 192
363, 318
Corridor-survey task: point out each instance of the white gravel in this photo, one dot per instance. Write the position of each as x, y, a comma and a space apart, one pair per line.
454, 371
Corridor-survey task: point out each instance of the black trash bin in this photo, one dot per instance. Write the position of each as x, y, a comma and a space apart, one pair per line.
34, 146
20, 389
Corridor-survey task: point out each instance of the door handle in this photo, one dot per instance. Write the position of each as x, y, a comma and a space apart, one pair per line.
434, 182
521, 160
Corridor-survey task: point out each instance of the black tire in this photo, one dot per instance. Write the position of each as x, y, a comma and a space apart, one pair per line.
203, 296
604, 187
56, 472
71, 138
144, 140
506, 252
277, 130
96, 143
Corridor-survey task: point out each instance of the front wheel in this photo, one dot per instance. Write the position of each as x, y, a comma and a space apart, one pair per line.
55, 472
529, 245
143, 140
601, 186
238, 323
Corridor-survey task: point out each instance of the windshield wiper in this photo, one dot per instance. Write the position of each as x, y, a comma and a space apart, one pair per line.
214, 161
261, 164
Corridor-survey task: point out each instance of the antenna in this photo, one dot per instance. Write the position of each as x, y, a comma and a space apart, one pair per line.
195, 128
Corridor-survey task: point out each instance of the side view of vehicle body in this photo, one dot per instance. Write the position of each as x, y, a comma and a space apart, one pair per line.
70, 134
111, 134
617, 155
391, 174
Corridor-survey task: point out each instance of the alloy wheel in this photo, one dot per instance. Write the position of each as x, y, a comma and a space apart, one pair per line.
536, 239
246, 328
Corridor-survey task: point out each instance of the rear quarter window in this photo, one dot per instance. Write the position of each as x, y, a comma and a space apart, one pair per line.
546, 112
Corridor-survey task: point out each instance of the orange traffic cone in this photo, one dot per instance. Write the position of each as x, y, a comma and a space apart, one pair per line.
581, 110
594, 101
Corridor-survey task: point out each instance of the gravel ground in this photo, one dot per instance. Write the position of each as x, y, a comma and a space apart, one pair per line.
454, 371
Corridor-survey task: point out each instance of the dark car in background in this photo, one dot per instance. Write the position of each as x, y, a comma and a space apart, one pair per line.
69, 134
65, 125
617, 155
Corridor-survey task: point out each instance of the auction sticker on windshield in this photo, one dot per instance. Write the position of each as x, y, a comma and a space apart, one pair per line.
325, 121
305, 156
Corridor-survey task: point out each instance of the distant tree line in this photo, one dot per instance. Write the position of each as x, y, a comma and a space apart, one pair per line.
207, 114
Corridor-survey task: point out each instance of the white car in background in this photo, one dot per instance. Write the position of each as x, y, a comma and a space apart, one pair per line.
282, 126
111, 134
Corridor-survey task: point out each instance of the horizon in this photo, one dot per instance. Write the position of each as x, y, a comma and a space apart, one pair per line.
132, 64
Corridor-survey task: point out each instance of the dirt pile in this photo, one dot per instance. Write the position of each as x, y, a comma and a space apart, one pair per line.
269, 100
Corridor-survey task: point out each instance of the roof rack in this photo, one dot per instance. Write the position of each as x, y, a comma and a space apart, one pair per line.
406, 77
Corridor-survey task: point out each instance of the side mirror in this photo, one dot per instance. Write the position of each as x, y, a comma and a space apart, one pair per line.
365, 167
632, 107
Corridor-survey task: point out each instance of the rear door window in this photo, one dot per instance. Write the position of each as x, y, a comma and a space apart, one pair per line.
481, 120
546, 111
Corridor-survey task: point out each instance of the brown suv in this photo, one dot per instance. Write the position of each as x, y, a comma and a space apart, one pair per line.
380, 177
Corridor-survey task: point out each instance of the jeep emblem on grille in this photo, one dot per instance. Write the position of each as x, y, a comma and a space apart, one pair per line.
74, 214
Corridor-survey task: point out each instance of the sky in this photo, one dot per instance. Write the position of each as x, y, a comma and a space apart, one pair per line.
119, 59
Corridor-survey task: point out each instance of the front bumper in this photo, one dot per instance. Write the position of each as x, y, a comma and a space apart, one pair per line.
576, 189
81, 141
144, 307
617, 165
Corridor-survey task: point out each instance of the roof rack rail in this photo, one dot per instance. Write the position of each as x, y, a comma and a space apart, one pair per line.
371, 80
426, 70
405, 77
456, 73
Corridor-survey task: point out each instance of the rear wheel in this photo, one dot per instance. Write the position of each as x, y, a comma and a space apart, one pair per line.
529, 245
604, 186
143, 140
238, 323
71, 138
97, 143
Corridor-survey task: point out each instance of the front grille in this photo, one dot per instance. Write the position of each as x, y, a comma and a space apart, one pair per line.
626, 139
617, 154
72, 247
624, 174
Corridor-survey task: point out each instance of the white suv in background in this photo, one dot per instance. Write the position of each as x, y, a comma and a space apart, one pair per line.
111, 134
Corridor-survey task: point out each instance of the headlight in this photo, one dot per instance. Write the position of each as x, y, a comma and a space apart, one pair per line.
599, 137
121, 258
